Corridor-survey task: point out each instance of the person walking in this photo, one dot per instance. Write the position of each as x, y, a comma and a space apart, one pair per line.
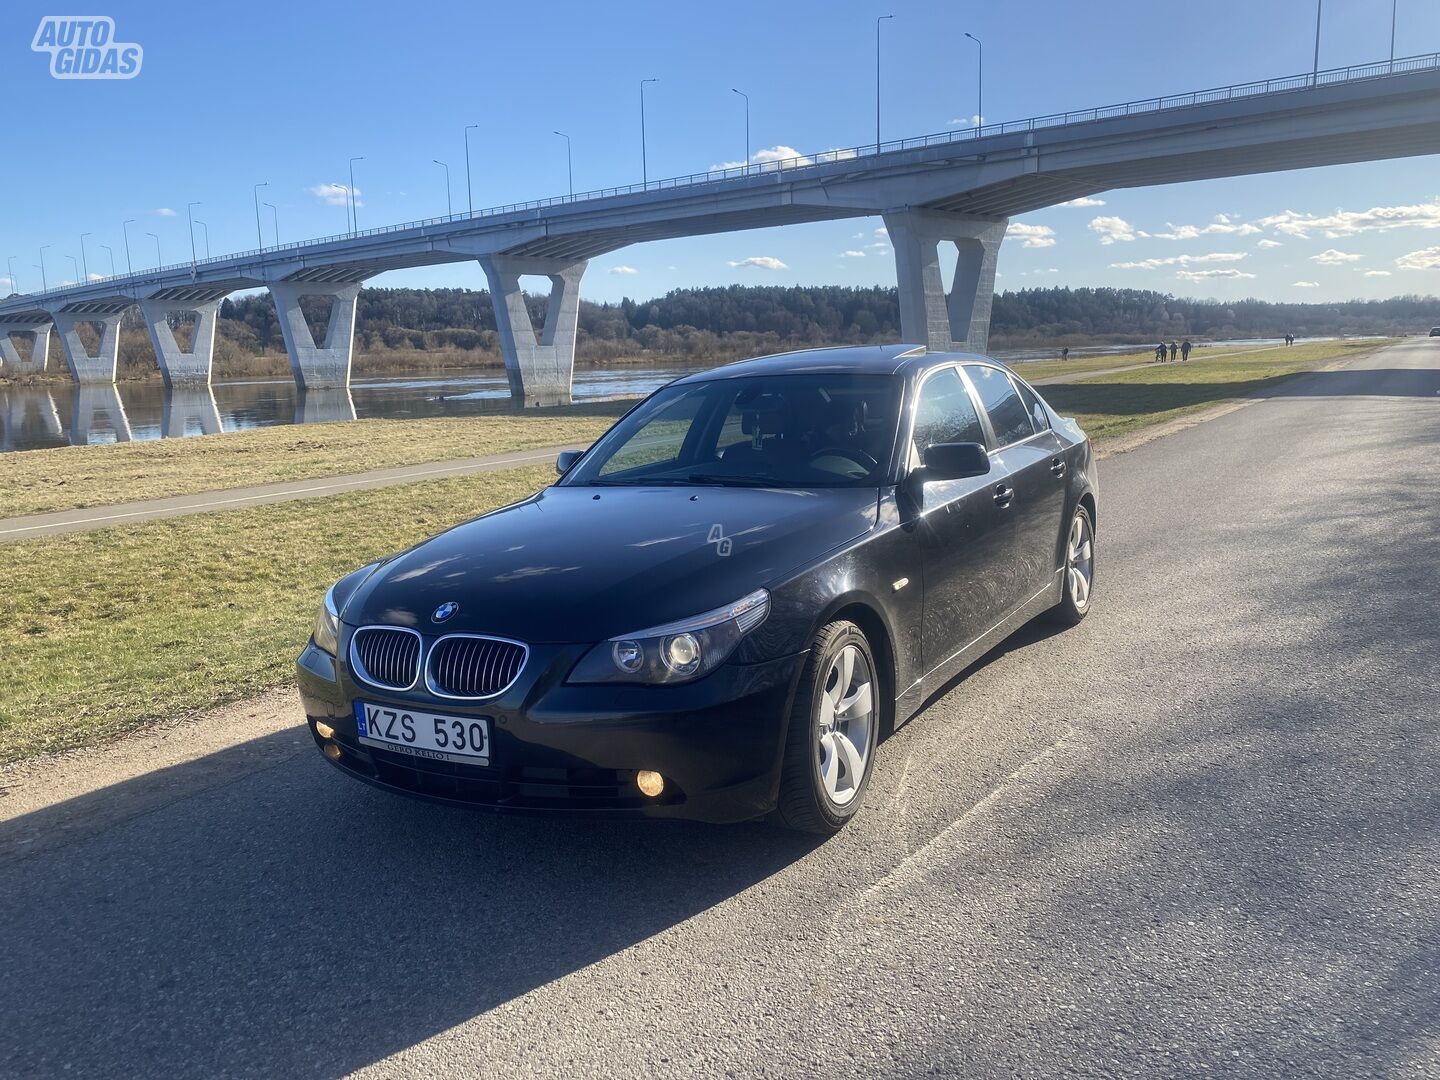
1185, 349
1160, 353
1065, 353
1174, 351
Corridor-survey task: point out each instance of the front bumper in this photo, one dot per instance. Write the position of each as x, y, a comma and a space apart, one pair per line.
717, 741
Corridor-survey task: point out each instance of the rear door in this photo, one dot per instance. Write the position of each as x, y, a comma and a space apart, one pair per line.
1032, 459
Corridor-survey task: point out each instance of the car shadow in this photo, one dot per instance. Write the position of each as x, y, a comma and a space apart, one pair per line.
290, 922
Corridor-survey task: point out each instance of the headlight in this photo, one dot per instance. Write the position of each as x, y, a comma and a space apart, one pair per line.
674, 653
327, 625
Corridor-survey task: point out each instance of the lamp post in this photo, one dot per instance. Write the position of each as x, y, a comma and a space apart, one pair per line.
125, 229
747, 125
207, 236
1393, 5
878, 21
74, 266
255, 196
190, 216
448, 212
157, 248
111, 252
350, 198
44, 282
84, 262
469, 189
1315, 74
10, 263
569, 162
980, 84
644, 161
275, 220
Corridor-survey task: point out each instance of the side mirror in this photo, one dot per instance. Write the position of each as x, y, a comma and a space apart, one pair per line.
566, 459
954, 461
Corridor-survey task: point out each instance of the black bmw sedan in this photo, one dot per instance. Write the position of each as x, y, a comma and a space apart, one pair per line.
722, 606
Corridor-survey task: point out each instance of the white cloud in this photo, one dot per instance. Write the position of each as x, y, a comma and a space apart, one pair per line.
852, 254
1035, 236
622, 270
1211, 275
1269, 244
882, 233
1334, 258
92, 276
1084, 200
1305, 284
1181, 260
1221, 225
762, 262
879, 245
1349, 222
334, 194
1113, 230
1424, 259
785, 157
1377, 273
162, 211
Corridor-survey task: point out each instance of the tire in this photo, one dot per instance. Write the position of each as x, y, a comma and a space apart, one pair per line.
1079, 571
820, 788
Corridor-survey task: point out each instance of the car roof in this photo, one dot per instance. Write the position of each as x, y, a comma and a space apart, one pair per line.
853, 359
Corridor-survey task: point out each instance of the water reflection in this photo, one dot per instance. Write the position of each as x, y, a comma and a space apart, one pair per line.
98, 415
324, 406
190, 411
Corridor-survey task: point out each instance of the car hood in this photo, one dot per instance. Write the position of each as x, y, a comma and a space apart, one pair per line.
581, 564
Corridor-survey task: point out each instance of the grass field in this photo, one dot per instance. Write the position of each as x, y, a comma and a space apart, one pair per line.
104, 632
72, 477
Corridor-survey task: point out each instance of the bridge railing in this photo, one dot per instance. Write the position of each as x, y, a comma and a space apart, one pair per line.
797, 166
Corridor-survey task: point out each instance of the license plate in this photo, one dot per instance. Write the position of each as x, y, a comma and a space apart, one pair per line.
423, 734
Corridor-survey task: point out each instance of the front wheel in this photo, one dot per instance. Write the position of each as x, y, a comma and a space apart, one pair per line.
832, 735
1079, 583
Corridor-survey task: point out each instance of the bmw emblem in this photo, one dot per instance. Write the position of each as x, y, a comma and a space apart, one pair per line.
444, 611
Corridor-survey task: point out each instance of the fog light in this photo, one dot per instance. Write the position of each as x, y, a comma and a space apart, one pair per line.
649, 783
331, 750
324, 730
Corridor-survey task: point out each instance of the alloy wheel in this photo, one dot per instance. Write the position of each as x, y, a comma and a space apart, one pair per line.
1080, 561
847, 718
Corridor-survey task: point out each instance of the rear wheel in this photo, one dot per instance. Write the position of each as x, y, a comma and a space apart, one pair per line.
1079, 573
834, 726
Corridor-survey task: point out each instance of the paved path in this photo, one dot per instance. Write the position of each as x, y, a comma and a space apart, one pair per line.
1198, 835
98, 517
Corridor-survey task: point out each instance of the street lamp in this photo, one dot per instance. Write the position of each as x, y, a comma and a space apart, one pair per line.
1315, 75
569, 165
275, 220
1393, 5
111, 252
84, 262
125, 228
747, 125
255, 196
469, 189
878, 21
448, 212
157, 248
191, 218
10, 263
44, 283
74, 266
644, 163
207, 236
980, 84
350, 198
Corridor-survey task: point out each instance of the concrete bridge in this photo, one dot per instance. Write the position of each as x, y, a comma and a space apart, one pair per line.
955, 188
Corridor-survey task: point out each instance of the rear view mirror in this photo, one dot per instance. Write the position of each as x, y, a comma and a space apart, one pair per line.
954, 461
566, 459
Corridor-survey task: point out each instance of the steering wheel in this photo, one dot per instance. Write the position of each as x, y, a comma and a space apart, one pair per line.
866, 463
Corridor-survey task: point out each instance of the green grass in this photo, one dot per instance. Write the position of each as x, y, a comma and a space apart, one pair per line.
72, 477
107, 631
1110, 406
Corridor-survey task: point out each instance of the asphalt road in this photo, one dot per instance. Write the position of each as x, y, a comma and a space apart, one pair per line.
1197, 835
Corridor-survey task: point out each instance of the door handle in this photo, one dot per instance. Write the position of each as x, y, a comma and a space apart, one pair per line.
1003, 495
1057, 466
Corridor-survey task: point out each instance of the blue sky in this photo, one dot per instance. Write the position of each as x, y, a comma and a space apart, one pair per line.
232, 95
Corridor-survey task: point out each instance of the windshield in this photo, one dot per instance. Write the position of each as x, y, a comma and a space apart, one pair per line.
814, 430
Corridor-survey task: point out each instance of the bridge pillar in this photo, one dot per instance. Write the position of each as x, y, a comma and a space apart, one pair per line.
12, 364
85, 369
183, 368
317, 366
960, 321
540, 371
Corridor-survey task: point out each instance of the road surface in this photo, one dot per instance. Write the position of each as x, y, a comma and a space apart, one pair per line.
1197, 835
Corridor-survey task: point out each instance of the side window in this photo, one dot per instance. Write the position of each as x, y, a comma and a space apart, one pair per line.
1008, 415
659, 439
945, 412
1039, 418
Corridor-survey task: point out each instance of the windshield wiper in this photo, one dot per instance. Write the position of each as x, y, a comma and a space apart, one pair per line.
735, 480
